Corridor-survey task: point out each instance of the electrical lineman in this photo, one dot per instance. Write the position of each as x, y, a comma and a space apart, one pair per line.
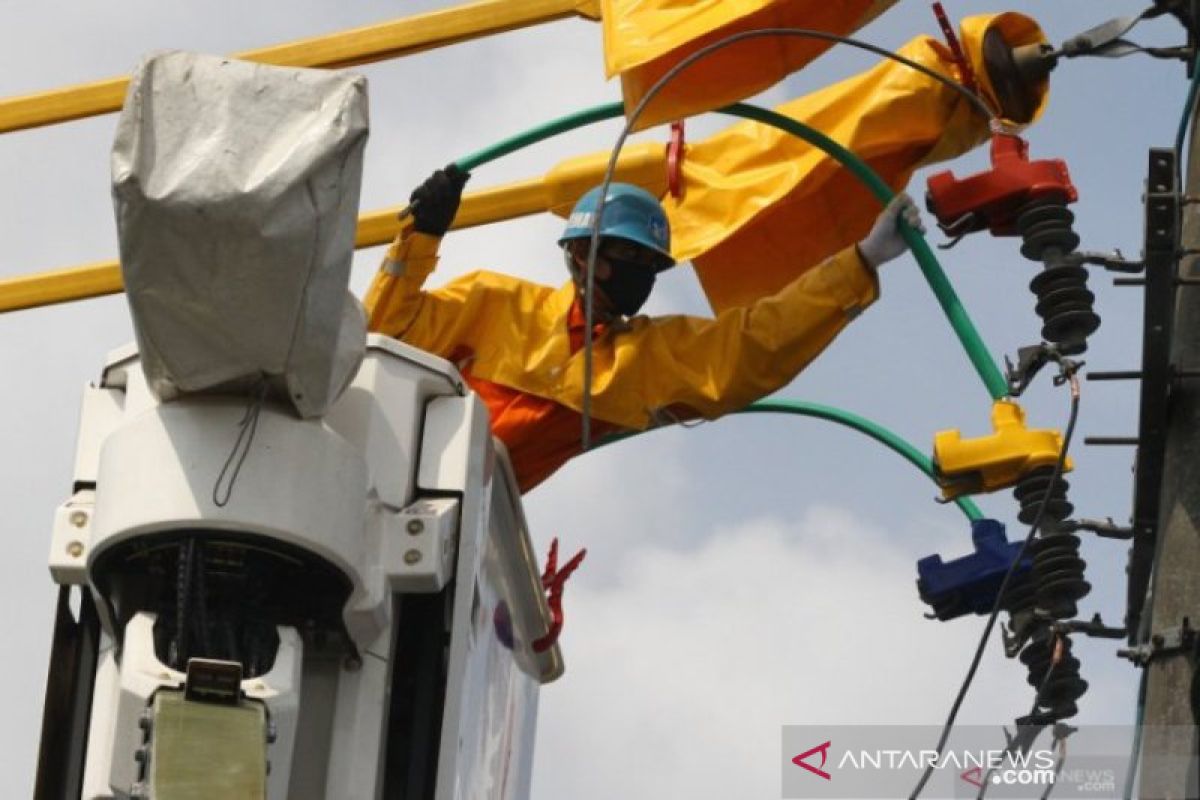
519, 344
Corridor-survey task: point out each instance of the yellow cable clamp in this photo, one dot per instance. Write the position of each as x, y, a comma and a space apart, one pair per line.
996, 461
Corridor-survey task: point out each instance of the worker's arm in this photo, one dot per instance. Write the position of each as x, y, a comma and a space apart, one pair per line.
714, 366
396, 295
720, 365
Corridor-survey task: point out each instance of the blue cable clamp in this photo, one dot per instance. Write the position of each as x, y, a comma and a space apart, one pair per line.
968, 585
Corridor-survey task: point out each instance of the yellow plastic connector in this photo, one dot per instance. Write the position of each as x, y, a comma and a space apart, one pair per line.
996, 461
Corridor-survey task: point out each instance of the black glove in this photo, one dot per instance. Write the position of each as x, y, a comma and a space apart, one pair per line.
435, 202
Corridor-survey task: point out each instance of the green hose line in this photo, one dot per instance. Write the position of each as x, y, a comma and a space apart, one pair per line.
865, 426
977, 352
852, 421
1189, 107
534, 135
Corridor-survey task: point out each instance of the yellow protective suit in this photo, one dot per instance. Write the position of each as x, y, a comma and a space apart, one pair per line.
518, 334
643, 39
759, 205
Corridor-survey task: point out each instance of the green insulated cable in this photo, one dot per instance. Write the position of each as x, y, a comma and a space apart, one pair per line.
865, 426
854, 422
977, 352
534, 135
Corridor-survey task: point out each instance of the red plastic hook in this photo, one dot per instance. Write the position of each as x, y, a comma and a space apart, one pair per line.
675, 160
553, 580
964, 64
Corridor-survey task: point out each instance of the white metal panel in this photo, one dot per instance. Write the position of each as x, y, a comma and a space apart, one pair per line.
418, 549
300, 482
488, 722
456, 433
71, 539
355, 769
100, 413
279, 690
382, 412
106, 691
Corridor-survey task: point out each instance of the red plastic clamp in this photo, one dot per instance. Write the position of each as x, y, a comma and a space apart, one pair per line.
675, 160
993, 199
553, 581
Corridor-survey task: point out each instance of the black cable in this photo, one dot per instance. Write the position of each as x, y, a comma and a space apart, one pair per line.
995, 613
1058, 764
1015, 743
201, 609
1082, 46
594, 243
1037, 695
183, 593
241, 446
1032, 715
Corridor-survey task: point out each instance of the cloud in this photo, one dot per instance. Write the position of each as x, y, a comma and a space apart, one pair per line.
682, 670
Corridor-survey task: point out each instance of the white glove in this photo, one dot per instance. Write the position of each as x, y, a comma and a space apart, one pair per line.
884, 242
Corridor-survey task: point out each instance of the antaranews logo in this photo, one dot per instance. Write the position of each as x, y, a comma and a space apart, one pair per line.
888, 760
802, 760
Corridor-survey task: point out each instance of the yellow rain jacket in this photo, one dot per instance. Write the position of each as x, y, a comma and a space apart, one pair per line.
643, 39
517, 332
760, 205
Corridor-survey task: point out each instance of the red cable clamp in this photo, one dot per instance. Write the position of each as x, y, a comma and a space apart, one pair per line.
675, 160
995, 198
553, 580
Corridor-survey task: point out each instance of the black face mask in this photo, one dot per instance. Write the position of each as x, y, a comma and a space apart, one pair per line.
628, 286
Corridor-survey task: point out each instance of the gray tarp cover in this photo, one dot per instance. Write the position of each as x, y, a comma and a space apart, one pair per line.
236, 191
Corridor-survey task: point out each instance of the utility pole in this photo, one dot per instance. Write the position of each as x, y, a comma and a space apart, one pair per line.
1166, 771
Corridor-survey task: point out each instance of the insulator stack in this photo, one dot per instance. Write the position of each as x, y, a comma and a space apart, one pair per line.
1054, 674
1064, 301
1020, 595
1032, 490
1058, 574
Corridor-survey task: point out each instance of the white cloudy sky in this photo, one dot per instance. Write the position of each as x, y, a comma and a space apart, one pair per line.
743, 575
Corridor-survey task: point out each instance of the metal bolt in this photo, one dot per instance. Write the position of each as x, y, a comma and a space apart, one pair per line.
146, 719
75, 548
415, 526
272, 731
78, 518
352, 664
141, 755
412, 557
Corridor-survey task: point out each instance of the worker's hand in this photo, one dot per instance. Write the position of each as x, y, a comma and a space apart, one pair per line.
884, 241
435, 202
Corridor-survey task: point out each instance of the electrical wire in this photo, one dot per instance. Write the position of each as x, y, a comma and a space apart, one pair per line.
1014, 744
1037, 696
1055, 659
667, 78
995, 613
1189, 107
1135, 750
1145, 622
1082, 46
847, 419
1061, 741
943, 290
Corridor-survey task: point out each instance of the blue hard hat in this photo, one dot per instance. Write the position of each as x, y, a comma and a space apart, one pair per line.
630, 213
